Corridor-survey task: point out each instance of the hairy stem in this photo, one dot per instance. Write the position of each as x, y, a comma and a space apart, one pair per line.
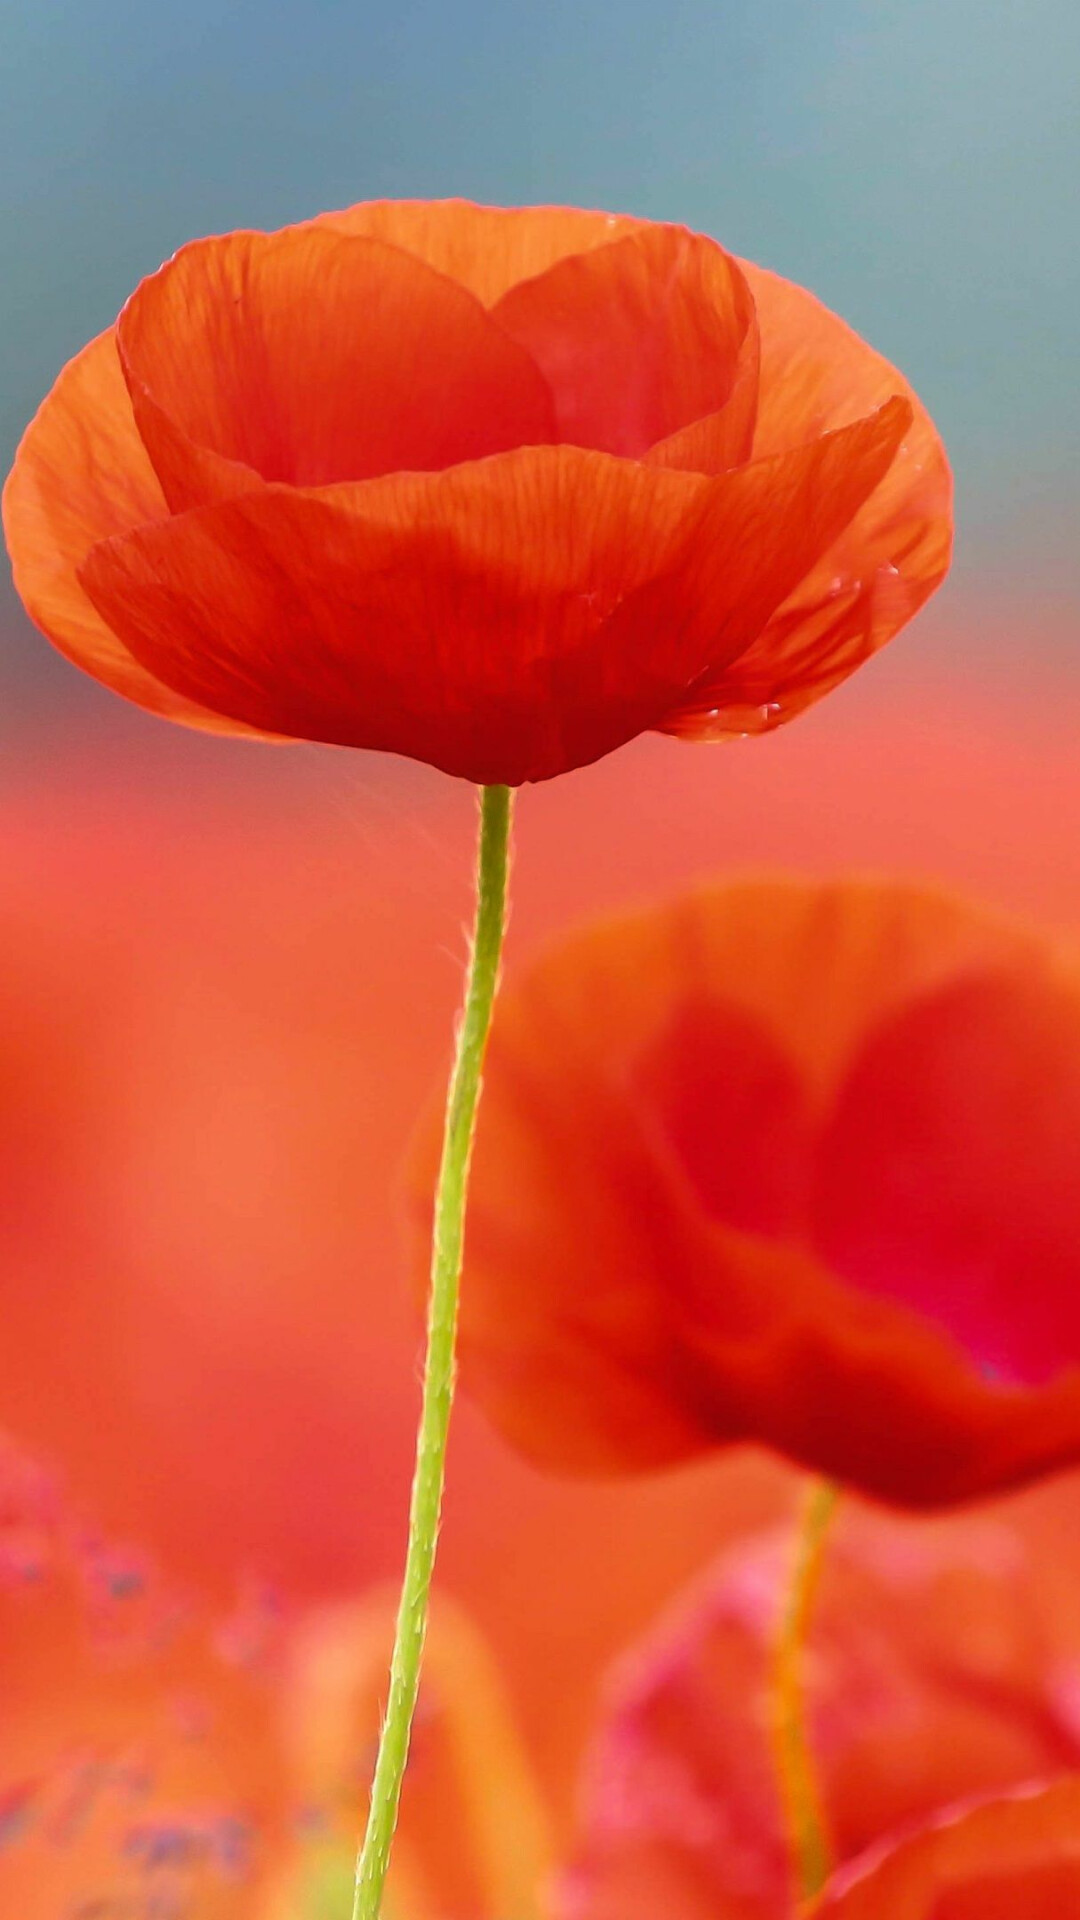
493, 863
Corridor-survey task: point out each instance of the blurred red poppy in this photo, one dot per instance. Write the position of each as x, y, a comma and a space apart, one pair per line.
938, 1668
793, 1164
496, 490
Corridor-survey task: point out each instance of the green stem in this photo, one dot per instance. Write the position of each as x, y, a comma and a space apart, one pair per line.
438, 1391
811, 1851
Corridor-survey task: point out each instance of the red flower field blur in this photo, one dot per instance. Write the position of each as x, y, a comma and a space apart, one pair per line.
785, 1162
158, 1763
223, 1011
639, 485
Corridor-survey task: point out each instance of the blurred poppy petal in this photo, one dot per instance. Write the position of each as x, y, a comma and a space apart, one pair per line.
482, 619
947, 1174
744, 1172
308, 356
1010, 1859
638, 339
681, 1812
733, 1106
82, 474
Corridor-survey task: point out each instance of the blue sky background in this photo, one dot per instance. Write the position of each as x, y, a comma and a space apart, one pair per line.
913, 161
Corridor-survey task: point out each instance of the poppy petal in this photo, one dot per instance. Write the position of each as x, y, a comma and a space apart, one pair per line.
487, 249
733, 1108
311, 357
638, 339
457, 617
719, 440
947, 1174
996, 1861
81, 475
189, 475
760, 530
643, 1285
817, 375
506, 620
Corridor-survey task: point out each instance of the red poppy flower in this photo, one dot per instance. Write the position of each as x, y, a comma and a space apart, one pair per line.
496, 490
793, 1164
936, 1671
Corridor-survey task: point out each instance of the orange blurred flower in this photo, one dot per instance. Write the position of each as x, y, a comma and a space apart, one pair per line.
495, 490
793, 1164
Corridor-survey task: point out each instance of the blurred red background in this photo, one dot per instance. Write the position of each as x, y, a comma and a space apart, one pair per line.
229, 977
